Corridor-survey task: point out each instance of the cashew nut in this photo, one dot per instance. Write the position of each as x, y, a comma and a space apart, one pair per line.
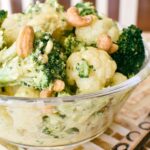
43, 58
74, 18
25, 41
58, 86
46, 93
104, 42
113, 48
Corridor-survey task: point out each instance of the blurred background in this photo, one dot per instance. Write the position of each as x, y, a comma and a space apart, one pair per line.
125, 11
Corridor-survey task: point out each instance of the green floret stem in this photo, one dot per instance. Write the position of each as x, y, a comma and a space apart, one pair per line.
9, 72
8, 54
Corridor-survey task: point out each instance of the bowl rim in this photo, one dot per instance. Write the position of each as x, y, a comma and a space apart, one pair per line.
143, 73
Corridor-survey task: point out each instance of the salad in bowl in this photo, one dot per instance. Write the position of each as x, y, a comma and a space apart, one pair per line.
65, 74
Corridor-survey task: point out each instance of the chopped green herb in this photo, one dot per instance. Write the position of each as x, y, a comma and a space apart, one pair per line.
72, 130
47, 131
83, 69
45, 118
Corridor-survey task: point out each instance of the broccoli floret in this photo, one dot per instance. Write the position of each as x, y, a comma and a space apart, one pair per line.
33, 71
131, 54
71, 44
3, 16
56, 62
86, 8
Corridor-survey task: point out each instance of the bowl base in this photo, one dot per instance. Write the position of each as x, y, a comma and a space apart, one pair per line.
66, 147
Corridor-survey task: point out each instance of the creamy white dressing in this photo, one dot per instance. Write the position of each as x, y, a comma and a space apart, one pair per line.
67, 123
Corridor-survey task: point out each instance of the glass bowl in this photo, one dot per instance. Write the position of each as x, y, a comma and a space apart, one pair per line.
60, 123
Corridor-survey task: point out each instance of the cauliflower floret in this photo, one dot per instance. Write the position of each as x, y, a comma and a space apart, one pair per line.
89, 34
90, 70
118, 78
12, 26
27, 92
42, 16
46, 18
9, 90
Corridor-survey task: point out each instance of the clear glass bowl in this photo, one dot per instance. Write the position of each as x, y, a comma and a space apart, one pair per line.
57, 123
